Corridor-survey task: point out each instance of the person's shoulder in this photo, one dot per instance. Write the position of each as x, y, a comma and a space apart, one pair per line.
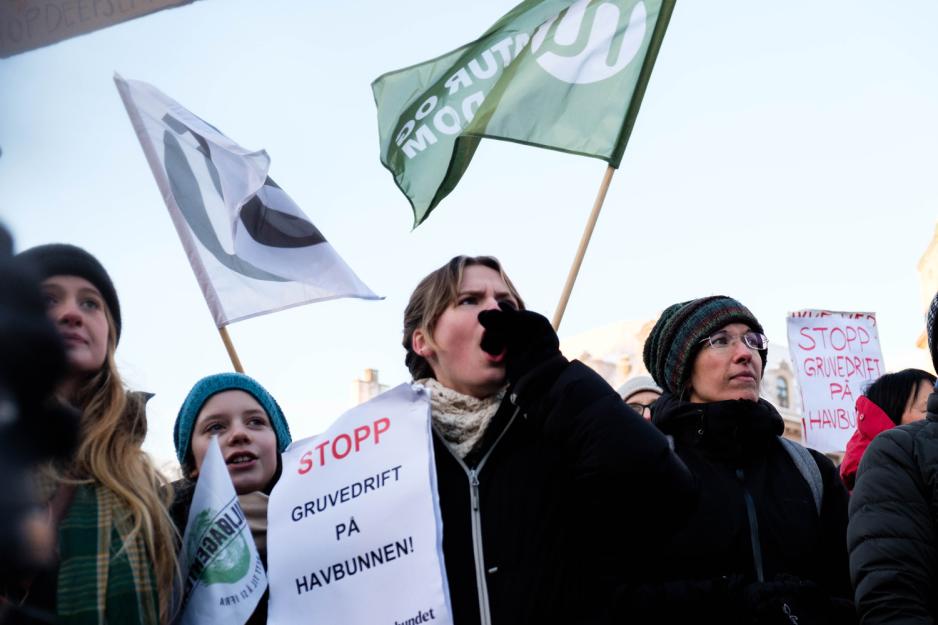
825, 464
905, 438
182, 490
577, 370
901, 449
578, 385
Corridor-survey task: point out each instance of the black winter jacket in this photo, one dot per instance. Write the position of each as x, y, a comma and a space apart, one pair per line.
893, 532
539, 521
708, 572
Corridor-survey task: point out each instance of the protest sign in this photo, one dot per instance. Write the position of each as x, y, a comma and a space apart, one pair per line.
354, 531
836, 355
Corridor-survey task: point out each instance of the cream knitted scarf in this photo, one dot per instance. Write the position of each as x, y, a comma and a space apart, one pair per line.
460, 419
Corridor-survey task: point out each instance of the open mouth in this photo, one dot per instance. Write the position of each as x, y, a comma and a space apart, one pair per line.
499, 357
240, 458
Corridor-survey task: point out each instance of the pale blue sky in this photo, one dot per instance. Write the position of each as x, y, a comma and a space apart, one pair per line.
785, 155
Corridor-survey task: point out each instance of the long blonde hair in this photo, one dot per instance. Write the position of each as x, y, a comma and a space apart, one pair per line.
113, 426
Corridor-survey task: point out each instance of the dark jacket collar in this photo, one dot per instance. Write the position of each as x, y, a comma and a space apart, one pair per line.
725, 430
932, 407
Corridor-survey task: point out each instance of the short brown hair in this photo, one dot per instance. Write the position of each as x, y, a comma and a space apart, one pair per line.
432, 297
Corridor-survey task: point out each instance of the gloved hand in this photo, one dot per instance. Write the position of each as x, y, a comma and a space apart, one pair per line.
526, 337
710, 600
786, 600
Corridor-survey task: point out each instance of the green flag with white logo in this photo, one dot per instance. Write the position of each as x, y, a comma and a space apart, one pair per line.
559, 74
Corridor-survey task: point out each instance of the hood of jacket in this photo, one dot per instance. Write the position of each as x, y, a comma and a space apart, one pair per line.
871, 420
726, 430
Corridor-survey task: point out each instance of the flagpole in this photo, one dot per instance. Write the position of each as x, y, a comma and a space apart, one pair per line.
231, 350
581, 252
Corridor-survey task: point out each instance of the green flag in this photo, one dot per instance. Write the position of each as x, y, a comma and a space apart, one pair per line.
559, 74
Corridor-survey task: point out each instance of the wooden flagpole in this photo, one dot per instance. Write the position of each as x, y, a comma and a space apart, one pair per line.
581, 252
231, 350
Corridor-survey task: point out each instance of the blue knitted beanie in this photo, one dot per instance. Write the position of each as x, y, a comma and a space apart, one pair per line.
214, 384
675, 339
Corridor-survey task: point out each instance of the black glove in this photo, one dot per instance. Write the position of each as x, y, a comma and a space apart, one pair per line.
526, 337
710, 600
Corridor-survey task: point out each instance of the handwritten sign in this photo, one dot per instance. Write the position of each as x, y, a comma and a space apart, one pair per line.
836, 355
29, 24
354, 530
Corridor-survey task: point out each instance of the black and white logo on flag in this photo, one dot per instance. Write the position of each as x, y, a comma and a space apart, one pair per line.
251, 247
267, 219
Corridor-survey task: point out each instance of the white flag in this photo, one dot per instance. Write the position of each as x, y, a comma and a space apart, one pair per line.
251, 247
222, 575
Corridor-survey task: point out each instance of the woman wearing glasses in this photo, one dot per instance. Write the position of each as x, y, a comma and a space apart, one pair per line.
640, 394
767, 540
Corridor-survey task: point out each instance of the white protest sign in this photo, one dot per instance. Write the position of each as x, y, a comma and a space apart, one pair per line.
223, 575
354, 534
836, 355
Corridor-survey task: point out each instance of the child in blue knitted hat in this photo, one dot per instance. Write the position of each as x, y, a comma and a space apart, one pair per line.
252, 433
251, 429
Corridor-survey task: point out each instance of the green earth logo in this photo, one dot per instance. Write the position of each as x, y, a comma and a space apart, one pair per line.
233, 558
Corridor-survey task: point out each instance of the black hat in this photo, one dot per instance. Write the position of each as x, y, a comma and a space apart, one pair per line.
674, 340
932, 330
62, 259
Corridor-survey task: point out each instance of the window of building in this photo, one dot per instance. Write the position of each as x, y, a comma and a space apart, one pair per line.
781, 390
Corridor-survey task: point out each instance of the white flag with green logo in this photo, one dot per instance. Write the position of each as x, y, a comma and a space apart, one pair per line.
222, 575
559, 74
252, 249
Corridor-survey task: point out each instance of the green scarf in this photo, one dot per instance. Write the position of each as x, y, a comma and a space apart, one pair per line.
102, 577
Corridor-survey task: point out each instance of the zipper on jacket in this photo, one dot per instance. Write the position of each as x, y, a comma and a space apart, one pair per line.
753, 527
485, 615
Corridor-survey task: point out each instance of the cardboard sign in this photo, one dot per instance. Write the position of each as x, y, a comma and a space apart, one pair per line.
354, 532
836, 355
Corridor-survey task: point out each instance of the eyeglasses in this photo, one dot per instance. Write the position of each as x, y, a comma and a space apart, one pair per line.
640, 408
723, 339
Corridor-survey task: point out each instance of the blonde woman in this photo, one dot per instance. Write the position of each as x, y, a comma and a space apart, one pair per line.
116, 554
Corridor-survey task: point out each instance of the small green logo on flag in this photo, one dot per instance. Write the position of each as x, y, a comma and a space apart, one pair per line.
232, 557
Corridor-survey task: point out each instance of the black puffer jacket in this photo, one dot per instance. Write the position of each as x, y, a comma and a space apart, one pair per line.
708, 572
893, 532
565, 474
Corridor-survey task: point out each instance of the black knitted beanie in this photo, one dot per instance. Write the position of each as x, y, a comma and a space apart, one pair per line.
62, 259
931, 328
675, 339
